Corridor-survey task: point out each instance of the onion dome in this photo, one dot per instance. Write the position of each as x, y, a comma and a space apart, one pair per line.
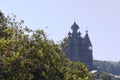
74, 27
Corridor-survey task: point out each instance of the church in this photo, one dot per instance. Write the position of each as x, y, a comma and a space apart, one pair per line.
78, 48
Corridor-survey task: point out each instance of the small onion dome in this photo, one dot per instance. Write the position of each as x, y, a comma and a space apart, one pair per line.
69, 33
79, 33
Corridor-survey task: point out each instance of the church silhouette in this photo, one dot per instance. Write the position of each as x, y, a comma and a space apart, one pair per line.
78, 48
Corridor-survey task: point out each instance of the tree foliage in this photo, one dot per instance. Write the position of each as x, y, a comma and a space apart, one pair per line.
33, 57
108, 66
106, 76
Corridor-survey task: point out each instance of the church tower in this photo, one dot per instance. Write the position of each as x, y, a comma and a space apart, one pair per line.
78, 48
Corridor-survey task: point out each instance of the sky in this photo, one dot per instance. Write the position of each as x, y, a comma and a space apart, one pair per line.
100, 17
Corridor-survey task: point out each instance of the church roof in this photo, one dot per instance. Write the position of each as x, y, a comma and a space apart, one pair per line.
87, 39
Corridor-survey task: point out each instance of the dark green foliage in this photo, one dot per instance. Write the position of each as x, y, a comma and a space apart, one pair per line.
107, 66
106, 76
2, 24
34, 57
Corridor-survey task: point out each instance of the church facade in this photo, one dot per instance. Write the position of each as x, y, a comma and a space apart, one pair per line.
78, 48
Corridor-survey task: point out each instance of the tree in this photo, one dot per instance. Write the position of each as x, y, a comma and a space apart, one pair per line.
106, 76
108, 66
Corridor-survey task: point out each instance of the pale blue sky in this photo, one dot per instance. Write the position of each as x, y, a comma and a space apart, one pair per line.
100, 17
